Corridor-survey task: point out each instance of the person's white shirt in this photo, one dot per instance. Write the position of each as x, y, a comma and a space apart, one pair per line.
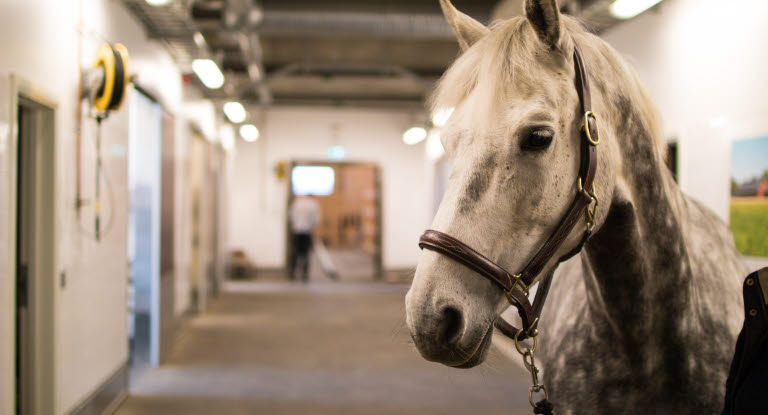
305, 215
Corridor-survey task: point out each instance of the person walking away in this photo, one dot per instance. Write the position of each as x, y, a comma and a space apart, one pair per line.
305, 216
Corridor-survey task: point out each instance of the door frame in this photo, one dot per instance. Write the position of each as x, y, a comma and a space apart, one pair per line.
43, 277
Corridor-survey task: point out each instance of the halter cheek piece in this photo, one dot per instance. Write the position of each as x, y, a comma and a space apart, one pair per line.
516, 286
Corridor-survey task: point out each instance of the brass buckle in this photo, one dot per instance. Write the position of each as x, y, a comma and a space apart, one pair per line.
594, 141
535, 340
508, 293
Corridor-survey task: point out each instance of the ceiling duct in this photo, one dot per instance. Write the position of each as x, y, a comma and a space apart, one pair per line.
172, 25
309, 23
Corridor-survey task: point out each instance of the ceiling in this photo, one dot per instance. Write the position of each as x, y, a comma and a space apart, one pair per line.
324, 52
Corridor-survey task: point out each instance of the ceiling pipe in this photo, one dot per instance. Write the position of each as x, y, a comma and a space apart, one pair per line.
307, 23
250, 46
337, 68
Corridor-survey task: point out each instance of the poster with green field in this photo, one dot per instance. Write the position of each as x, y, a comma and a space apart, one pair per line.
749, 196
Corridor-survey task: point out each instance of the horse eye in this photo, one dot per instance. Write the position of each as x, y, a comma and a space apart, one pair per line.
537, 138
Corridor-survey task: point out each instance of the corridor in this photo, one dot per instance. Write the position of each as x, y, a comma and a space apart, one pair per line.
321, 348
214, 207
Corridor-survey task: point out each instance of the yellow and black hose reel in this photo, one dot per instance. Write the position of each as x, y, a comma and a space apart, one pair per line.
104, 85
107, 81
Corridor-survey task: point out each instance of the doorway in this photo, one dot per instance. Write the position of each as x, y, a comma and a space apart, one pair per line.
144, 185
205, 160
34, 249
347, 242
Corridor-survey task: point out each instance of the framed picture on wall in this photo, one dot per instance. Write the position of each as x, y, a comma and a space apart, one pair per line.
749, 196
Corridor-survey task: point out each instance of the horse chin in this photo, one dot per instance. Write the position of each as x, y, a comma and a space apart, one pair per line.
481, 352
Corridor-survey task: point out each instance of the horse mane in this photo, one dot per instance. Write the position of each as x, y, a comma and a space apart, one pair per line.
511, 53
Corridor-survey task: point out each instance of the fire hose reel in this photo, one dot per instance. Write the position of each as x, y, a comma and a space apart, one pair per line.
106, 82
104, 85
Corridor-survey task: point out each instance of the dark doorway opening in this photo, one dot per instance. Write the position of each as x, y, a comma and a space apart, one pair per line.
34, 254
23, 222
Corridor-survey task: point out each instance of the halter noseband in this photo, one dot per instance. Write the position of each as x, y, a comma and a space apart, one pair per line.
516, 286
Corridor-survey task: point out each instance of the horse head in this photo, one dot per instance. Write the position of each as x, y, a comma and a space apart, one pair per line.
513, 140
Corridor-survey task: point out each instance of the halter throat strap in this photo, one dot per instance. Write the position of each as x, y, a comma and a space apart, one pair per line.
516, 286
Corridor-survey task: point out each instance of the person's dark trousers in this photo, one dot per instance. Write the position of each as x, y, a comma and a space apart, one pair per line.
747, 386
302, 243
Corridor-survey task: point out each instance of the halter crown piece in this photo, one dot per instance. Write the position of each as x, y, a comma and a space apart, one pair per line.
516, 286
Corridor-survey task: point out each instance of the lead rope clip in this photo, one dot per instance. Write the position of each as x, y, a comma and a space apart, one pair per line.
529, 361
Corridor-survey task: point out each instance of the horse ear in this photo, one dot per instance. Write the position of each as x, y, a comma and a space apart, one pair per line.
544, 16
467, 30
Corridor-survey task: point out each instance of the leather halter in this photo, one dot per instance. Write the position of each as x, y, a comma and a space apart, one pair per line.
516, 286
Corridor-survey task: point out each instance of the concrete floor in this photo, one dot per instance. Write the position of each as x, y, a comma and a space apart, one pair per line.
321, 348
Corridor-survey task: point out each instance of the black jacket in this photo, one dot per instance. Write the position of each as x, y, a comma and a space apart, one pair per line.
746, 391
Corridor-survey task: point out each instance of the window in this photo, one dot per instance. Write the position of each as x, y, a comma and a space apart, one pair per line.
313, 180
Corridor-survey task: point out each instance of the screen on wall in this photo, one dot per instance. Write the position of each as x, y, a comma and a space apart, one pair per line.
312, 180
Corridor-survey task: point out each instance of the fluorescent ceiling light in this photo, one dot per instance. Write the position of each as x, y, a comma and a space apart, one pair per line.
249, 132
414, 135
208, 72
441, 117
235, 112
627, 9
157, 3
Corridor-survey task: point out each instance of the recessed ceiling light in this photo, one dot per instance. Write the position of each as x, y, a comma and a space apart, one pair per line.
208, 72
414, 135
627, 9
249, 133
235, 112
158, 3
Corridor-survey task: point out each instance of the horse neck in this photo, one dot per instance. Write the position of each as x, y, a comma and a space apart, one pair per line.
638, 258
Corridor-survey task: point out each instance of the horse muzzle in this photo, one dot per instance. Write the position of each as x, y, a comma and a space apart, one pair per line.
443, 334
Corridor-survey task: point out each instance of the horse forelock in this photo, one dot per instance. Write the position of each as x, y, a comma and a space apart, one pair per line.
509, 59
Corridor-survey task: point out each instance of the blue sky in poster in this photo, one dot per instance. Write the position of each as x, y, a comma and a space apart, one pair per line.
749, 159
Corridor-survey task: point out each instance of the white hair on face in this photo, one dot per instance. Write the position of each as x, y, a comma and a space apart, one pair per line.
511, 54
505, 55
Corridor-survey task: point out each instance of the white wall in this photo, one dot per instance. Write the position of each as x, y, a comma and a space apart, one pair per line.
41, 40
702, 60
258, 200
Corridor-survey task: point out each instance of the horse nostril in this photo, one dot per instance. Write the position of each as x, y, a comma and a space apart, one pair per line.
451, 325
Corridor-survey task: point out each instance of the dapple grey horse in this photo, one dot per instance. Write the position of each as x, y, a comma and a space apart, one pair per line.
644, 319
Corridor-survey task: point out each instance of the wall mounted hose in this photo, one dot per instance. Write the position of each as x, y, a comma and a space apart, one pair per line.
104, 85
